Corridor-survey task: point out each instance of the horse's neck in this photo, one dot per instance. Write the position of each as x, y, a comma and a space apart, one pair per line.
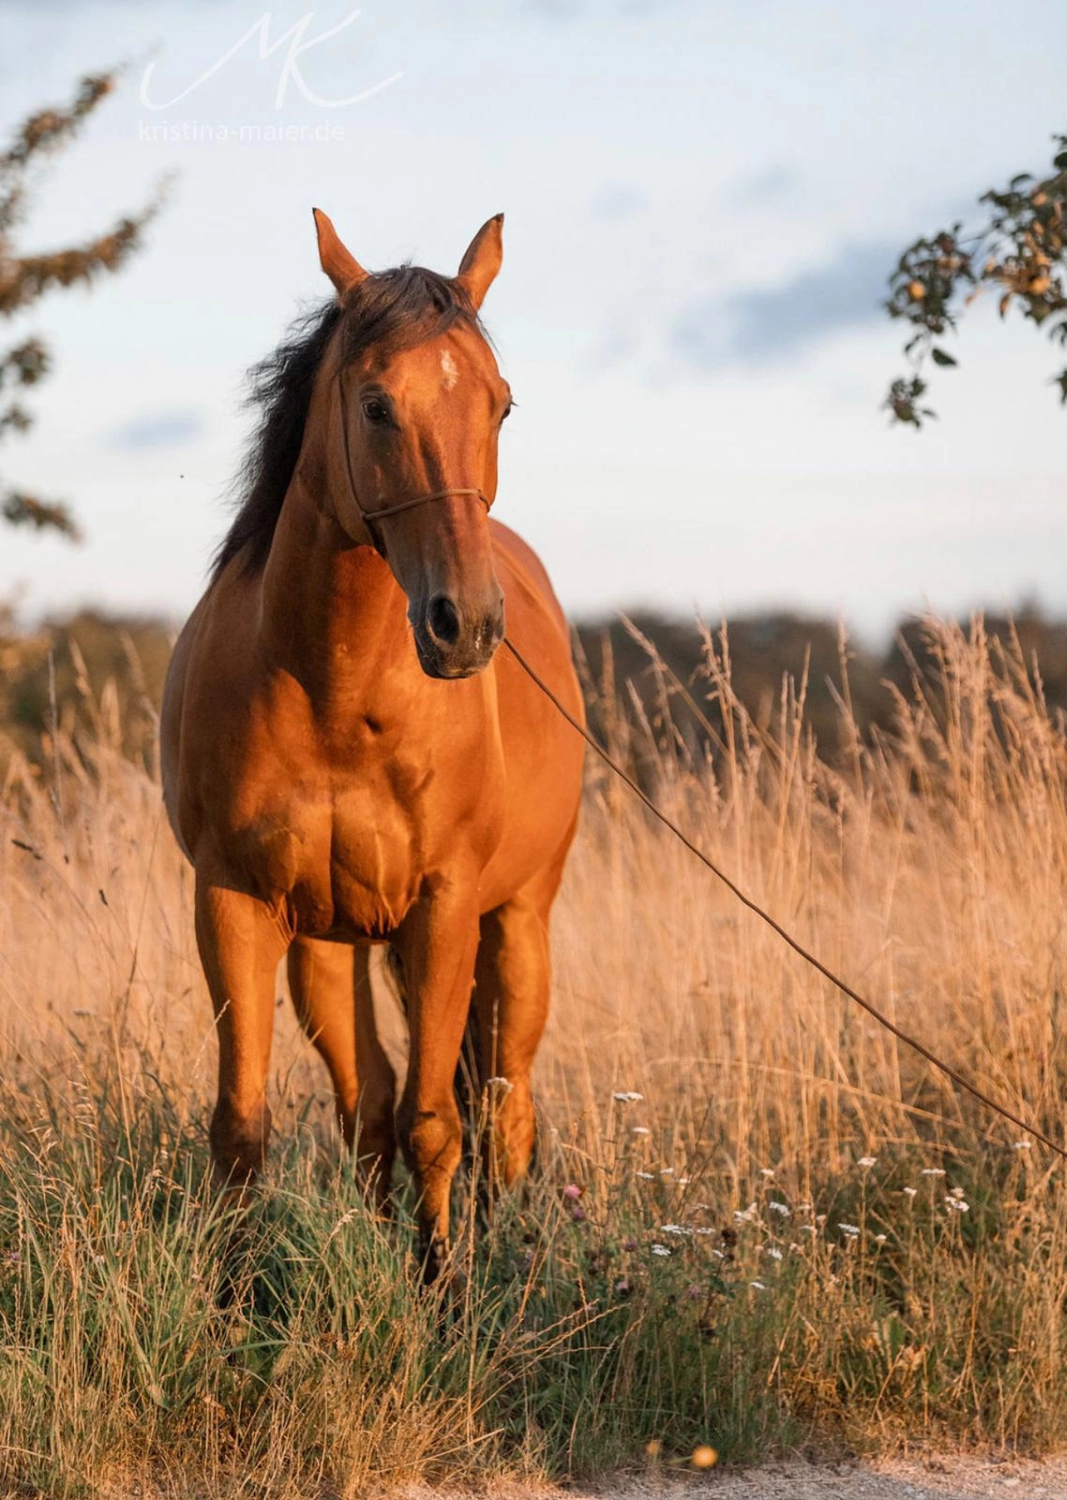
332, 614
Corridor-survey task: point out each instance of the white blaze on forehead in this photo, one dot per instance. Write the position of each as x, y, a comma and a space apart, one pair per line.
448, 370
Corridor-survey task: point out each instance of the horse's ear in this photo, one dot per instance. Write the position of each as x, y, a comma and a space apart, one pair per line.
340, 266
478, 268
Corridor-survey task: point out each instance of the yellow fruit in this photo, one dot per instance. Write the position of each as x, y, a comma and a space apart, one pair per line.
653, 1447
704, 1457
916, 291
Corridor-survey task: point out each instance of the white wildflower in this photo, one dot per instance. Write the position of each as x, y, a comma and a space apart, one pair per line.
627, 1097
956, 1205
646, 1176
674, 1229
773, 1251
1022, 1145
757, 1286
933, 1171
909, 1191
661, 1250
766, 1171
640, 1130
780, 1208
880, 1239
867, 1161
851, 1230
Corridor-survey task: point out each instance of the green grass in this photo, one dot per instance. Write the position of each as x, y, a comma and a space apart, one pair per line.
149, 1337
149, 1333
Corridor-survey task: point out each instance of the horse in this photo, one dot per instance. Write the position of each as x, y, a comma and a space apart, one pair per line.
347, 758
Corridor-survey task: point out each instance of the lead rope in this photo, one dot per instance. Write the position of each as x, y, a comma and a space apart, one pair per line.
787, 937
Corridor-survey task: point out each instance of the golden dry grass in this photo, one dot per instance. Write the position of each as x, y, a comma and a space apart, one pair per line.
800, 1234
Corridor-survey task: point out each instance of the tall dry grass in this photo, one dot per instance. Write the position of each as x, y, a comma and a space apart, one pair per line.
799, 1234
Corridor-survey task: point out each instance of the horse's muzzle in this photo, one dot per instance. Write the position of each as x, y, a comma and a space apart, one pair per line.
452, 642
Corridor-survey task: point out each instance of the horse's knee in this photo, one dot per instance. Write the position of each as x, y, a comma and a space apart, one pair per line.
239, 1139
431, 1139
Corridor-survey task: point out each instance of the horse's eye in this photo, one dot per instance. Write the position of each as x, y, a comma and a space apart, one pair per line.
375, 411
508, 410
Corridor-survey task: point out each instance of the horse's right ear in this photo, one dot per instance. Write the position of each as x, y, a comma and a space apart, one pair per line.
339, 264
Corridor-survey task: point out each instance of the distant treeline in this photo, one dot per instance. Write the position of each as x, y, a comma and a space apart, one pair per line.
101, 673
89, 672
661, 664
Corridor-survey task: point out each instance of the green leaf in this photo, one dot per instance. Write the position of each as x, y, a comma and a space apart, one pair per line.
941, 357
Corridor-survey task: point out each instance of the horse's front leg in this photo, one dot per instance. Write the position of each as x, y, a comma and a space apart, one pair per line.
436, 945
241, 942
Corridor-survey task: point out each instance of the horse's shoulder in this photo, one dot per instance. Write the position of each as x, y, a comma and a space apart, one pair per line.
525, 568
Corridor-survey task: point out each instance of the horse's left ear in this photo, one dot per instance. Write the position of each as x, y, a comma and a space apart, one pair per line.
478, 268
340, 265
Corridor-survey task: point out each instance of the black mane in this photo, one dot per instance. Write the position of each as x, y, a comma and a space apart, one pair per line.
392, 311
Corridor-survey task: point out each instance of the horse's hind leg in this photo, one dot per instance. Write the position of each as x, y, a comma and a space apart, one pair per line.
511, 995
330, 986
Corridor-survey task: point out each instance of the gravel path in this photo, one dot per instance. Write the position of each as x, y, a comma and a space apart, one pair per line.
942, 1478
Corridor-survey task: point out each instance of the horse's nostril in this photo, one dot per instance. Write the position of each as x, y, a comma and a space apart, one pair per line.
442, 618
491, 631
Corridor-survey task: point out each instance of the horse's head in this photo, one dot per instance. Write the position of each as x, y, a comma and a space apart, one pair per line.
415, 416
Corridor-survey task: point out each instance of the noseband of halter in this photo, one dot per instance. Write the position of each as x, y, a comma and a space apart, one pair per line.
399, 505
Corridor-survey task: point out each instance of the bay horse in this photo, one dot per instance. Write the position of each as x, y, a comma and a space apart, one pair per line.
347, 760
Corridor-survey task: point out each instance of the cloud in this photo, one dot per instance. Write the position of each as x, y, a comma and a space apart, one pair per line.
617, 200
577, 10
162, 429
766, 324
770, 185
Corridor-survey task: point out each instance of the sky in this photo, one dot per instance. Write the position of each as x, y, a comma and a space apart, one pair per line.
703, 201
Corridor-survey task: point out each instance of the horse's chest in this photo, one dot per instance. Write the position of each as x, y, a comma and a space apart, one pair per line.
339, 859
374, 861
